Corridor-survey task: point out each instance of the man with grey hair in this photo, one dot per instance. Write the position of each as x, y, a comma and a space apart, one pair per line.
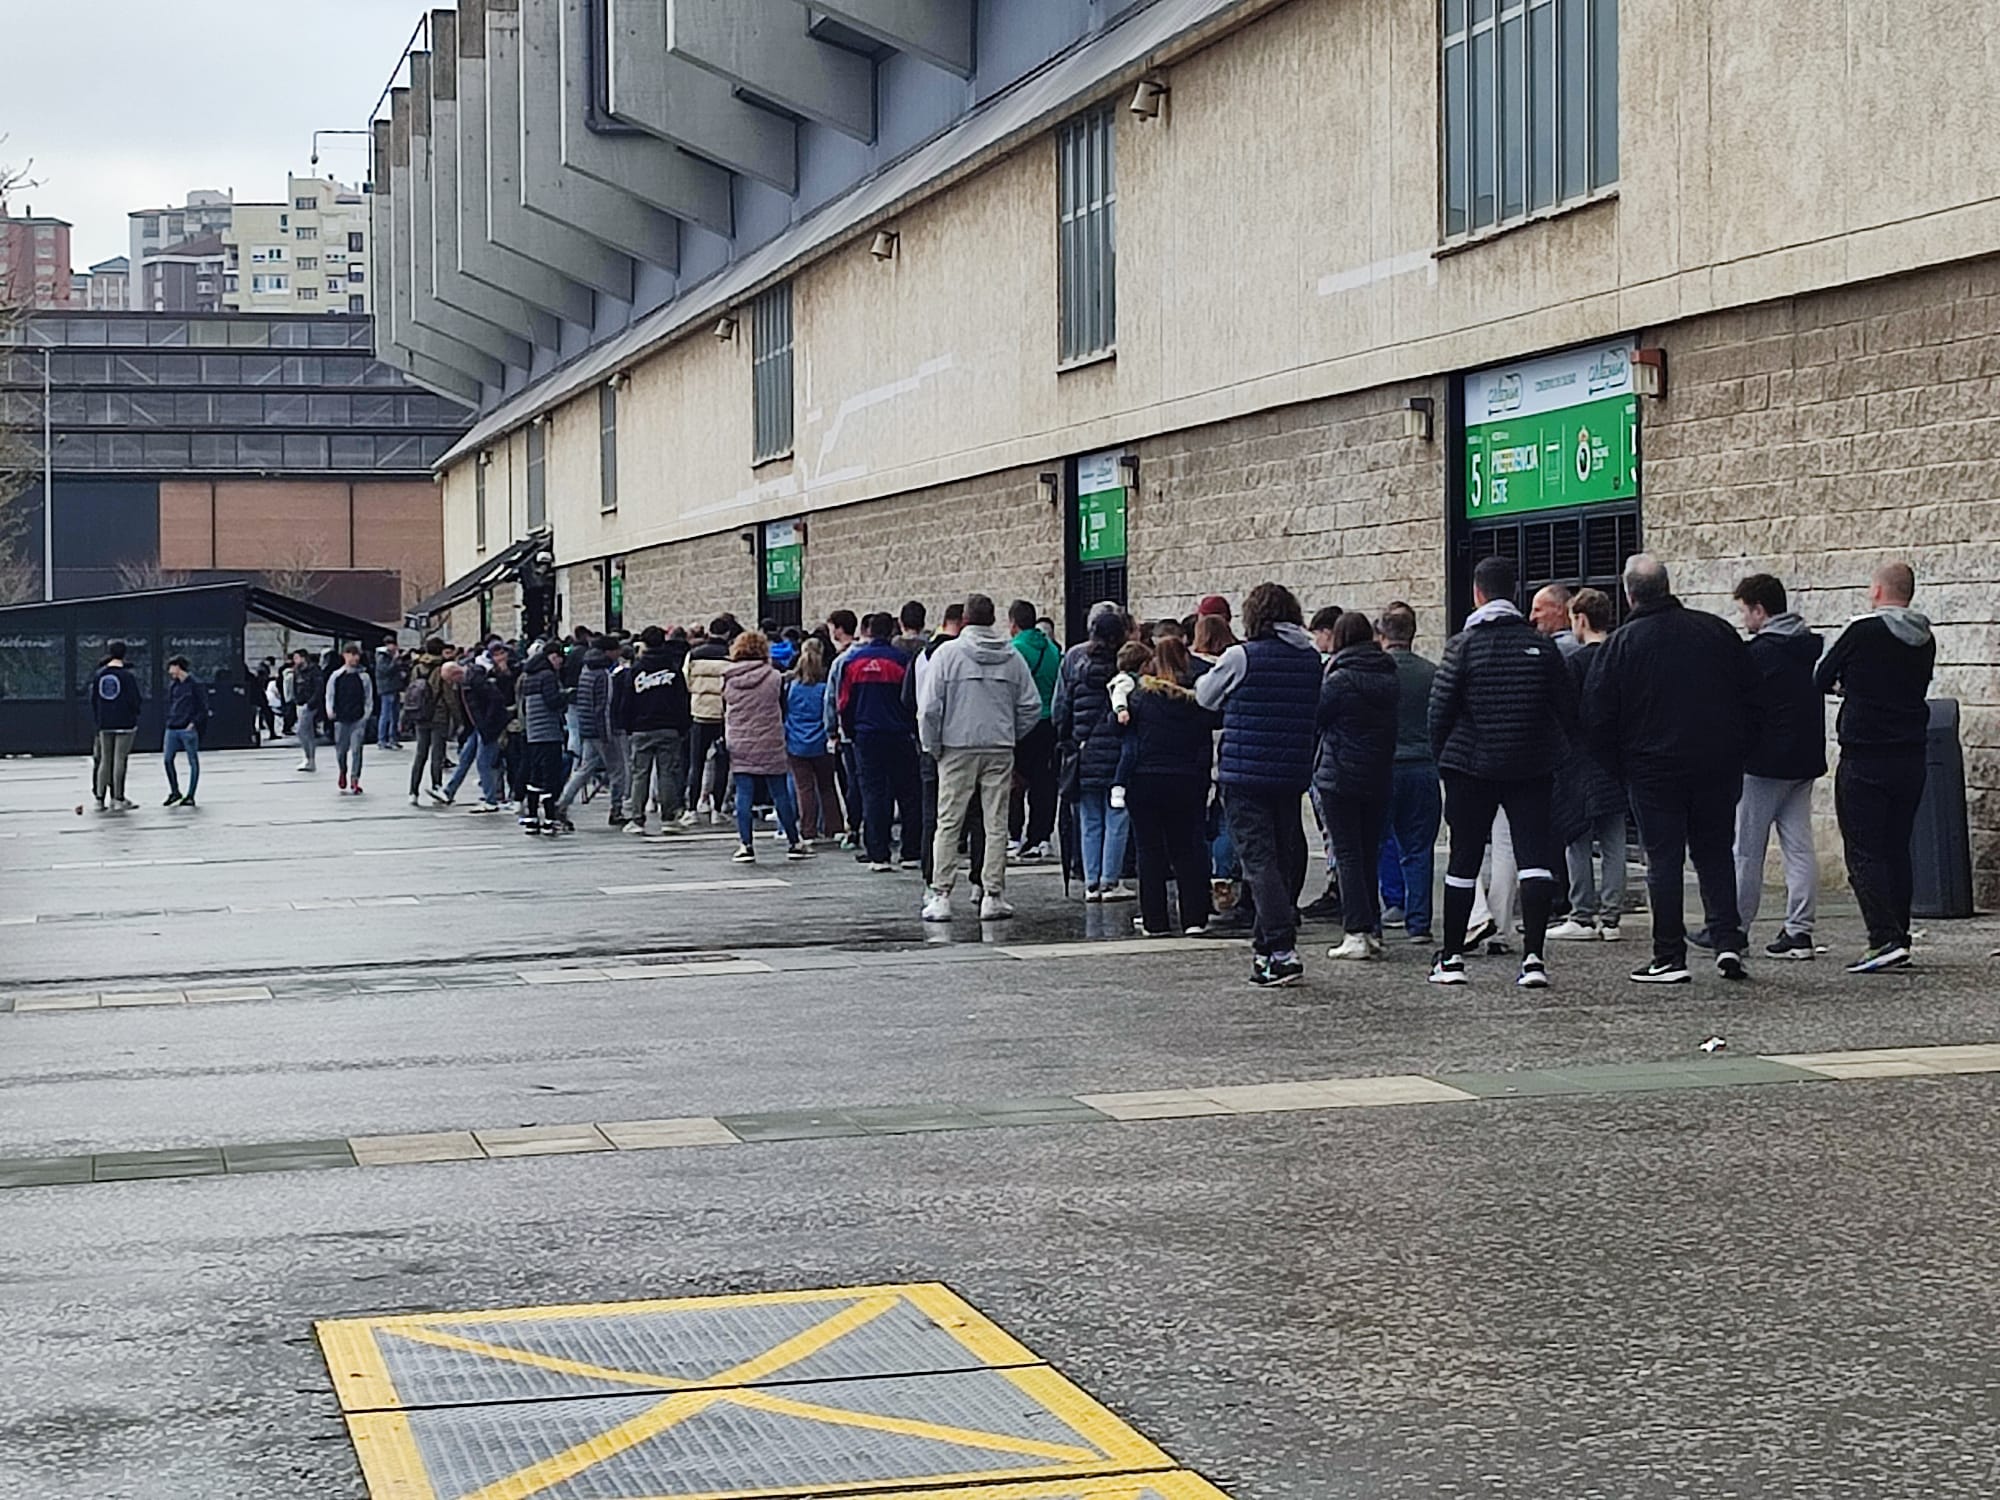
1670, 708
1549, 613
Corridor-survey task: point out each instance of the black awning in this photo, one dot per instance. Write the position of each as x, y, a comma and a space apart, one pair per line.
489, 572
312, 619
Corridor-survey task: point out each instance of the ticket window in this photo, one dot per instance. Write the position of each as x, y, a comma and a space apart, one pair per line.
1099, 487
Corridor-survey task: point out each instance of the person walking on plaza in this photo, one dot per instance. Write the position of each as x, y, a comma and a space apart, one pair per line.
872, 711
1501, 709
1354, 772
1163, 765
708, 791
653, 703
115, 701
976, 702
350, 707
1786, 760
391, 677
591, 713
1035, 760
308, 686
427, 708
1267, 691
1592, 800
187, 716
489, 705
815, 780
1881, 667
538, 700
1671, 708
1086, 725
753, 722
1416, 807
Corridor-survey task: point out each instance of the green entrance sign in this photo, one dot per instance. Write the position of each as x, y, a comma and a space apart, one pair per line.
617, 594
1551, 433
1100, 509
784, 561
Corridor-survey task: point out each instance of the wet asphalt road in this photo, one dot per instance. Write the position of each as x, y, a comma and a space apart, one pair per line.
1784, 1292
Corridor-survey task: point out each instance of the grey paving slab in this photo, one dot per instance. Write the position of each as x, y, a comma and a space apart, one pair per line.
792, 1125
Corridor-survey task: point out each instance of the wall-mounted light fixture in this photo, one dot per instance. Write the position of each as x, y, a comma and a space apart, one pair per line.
1419, 418
748, 537
886, 244
1649, 373
485, 458
1050, 488
621, 381
1148, 97
541, 419
1128, 472
725, 331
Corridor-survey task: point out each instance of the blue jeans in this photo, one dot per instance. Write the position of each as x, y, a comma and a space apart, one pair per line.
467, 754
1105, 830
1221, 846
389, 714
1408, 869
779, 790
177, 741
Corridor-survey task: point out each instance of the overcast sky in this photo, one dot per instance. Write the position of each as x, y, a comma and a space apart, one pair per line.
127, 104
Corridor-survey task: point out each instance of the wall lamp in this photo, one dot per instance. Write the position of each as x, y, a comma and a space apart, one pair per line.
725, 331
485, 458
1128, 472
541, 419
886, 244
1148, 97
622, 381
1050, 487
1419, 418
1649, 373
748, 537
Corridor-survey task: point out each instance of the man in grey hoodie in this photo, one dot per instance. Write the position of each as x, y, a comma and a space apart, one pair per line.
1881, 667
976, 701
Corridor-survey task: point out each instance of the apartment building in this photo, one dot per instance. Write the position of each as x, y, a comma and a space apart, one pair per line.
1142, 301
34, 261
308, 254
105, 287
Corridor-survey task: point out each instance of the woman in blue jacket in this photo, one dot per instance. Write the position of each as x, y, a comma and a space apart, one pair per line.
814, 782
1355, 770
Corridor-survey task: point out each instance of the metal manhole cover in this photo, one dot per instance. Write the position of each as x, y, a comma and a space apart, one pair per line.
849, 1391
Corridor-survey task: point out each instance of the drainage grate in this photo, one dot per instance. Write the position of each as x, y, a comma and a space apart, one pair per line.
848, 1391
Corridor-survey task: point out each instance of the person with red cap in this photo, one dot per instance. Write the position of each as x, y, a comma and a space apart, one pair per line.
1214, 604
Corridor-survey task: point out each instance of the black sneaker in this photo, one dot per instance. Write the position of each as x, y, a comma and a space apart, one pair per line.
1661, 971
1480, 934
1448, 968
1534, 973
1730, 966
1276, 973
1875, 960
1791, 945
173, 800
1324, 909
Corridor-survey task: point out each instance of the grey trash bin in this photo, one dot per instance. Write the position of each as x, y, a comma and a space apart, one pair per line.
1941, 843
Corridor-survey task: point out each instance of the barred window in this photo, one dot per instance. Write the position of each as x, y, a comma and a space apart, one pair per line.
1087, 234
607, 446
1530, 106
538, 466
479, 502
771, 372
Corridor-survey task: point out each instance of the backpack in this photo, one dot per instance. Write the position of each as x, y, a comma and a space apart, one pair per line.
417, 698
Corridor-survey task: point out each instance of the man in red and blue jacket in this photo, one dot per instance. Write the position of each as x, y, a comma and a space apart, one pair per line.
884, 730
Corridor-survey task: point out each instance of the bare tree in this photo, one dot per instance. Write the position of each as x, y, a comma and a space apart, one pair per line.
299, 573
20, 443
140, 575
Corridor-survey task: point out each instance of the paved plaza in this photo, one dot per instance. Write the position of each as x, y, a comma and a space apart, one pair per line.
338, 1133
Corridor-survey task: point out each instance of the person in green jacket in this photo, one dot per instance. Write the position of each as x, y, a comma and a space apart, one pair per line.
1032, 811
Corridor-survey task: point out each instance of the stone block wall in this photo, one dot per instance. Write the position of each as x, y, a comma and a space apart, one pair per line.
687, 583
1817, 437
1328, 498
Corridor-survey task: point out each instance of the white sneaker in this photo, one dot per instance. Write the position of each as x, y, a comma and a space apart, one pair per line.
937, 906
1354, 946
1093, 894
1118, 890
686, 820
1570, 930
1608, 932
744, 855
636, 829
995, 909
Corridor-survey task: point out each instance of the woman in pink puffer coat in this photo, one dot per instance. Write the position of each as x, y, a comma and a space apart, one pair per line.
753, 726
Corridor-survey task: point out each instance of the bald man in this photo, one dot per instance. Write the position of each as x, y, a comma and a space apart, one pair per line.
1881, 667
1550, 615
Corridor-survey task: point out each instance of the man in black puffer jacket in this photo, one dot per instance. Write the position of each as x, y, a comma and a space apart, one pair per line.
1355, 773
1502, 709
1671, 709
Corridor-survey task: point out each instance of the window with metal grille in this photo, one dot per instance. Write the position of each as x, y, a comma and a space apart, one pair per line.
771, 372
607, 446
479, 503
538, 474
1087, 234
1530, 106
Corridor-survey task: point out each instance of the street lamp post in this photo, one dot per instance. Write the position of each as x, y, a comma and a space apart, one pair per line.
48, 482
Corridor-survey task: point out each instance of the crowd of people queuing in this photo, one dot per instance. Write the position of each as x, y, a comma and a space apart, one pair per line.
1193, 753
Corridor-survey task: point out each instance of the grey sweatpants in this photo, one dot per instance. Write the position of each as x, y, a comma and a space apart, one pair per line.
348, 740
1788, 805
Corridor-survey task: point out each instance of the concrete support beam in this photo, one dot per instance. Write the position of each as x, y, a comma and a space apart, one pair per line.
532, 93
938, 31
690, 106
489, 157
763, 46
555, 37
398, 341
412, 249
450, 285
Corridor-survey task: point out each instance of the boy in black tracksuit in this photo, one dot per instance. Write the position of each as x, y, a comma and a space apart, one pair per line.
651, 703
1881, 666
